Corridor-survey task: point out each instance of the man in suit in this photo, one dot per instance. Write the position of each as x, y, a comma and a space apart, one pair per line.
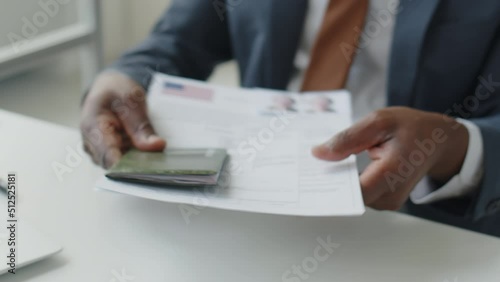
424, 77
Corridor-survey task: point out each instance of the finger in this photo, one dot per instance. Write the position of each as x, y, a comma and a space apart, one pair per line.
143, 136
102, 139
372, 181
126, 144
89, 149
389, 201
365, 134
140, 130
397, 187
111, 157
104, 157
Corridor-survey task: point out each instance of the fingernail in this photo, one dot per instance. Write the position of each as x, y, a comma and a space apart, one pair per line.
111, 157
115, 155
317, 147
327, 145
153, 138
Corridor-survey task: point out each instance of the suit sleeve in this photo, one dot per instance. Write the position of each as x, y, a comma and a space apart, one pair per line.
487, 199
189, 40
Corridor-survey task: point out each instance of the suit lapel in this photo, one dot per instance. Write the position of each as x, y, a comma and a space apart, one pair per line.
285, 23
409, 33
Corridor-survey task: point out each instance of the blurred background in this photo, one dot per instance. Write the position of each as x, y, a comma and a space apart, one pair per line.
51, 49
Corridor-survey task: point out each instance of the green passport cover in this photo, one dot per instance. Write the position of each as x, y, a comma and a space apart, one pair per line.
174, 166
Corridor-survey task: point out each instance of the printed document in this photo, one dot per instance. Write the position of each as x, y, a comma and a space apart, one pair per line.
268, 135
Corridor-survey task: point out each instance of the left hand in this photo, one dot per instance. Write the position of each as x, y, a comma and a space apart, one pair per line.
405, 145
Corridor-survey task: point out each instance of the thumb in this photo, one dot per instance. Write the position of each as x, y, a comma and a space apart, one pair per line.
141, 132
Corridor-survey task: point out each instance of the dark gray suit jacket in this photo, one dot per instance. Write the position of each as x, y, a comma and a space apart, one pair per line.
445, 58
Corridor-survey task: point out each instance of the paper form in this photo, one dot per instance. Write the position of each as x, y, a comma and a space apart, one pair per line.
268, 135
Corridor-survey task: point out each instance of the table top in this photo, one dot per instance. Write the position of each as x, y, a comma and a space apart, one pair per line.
113, 237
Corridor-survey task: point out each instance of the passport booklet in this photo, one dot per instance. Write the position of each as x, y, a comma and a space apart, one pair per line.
177, 167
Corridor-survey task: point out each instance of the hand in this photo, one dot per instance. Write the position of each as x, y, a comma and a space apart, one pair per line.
114, 119
405, 145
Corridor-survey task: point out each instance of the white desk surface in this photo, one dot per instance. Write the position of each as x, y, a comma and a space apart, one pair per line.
104, 234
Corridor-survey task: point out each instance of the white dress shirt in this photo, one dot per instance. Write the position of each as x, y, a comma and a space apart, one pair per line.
367, 83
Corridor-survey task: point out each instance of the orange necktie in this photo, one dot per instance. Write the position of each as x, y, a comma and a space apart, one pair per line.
335, 46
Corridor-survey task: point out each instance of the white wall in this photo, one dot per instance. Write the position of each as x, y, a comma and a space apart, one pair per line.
52, 91
124, 24
30, 18
127, 22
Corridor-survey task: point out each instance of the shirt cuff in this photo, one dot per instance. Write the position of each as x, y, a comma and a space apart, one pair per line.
462, 184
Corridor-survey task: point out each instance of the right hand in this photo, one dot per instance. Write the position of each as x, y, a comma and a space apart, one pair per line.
114, 119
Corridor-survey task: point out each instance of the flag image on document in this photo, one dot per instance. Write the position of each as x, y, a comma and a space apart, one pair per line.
190, 91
